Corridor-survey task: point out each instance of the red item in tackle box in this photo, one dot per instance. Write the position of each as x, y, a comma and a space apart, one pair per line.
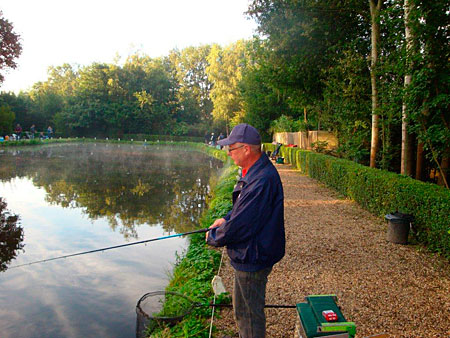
330, 315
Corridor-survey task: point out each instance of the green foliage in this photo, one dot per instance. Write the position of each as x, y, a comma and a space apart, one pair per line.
285, 124
107, 100
225, 72
45, 103
316, 55
428, 97
346, 104
189, 68
6, 120
261, 102
382, 192
319, 146
303, 39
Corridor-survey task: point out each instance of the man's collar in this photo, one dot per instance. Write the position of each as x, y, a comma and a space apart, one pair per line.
260, 163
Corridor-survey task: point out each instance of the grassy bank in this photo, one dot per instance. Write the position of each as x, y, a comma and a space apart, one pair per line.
36, 141
196, 145
152, 139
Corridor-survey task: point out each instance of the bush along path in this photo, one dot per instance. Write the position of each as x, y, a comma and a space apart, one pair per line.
334, 246
382, 192
195, 269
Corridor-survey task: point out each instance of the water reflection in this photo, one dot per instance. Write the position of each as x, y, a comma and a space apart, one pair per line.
128, 185
11, 236
74, 198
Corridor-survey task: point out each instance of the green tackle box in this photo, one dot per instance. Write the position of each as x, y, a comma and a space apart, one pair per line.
313, 324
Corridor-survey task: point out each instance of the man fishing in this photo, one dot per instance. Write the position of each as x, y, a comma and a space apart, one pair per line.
253, 231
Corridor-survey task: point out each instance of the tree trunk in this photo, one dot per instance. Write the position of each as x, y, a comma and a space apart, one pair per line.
443, 175
410, 160
406, 152
419, 162
375, 6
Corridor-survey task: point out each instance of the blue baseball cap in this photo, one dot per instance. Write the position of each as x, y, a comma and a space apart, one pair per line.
242, 133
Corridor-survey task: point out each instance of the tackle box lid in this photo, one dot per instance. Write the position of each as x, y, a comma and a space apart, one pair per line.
314, 323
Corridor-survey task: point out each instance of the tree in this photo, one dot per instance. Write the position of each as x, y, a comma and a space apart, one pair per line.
346, 104
7, 118
62, 80
303, 39
375, 6
314, 57
91, 110
428, 97
262, 103
46, 102
19, 105
407, 146
225, 72
10, 47
189, 67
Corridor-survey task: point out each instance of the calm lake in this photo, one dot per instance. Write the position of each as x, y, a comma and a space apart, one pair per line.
78, 197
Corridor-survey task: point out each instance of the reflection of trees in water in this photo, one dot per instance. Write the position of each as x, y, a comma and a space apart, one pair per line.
127, 185
11, 236
187, 207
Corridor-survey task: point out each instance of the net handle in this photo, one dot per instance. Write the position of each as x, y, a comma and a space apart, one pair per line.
272, 306
193, 305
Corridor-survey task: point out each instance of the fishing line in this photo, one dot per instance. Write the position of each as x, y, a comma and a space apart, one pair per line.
112, 247
215, 295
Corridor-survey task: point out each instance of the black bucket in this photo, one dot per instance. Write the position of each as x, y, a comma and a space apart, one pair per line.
398, 227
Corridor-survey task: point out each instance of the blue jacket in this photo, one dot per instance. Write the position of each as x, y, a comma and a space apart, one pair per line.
254, 229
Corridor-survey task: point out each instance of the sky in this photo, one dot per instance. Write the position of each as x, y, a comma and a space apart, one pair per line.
54, 32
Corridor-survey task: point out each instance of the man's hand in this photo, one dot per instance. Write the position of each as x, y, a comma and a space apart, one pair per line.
217, 223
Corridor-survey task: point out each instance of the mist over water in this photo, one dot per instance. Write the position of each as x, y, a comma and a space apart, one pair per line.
79, 197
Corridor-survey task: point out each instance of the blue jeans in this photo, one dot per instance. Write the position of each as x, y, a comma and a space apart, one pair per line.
249, 298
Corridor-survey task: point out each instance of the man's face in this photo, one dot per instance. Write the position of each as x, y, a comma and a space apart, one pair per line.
237, 152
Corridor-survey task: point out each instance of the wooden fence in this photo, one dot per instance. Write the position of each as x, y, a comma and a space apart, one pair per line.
304, 140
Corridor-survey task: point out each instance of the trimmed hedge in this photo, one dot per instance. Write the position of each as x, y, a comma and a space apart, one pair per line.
381, 192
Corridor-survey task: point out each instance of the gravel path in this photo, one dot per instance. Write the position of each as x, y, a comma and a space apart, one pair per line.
334, 246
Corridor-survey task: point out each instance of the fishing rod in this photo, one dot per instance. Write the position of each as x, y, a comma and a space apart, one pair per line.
112, 247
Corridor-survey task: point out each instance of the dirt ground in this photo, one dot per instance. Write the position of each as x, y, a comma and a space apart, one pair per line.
335, 247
